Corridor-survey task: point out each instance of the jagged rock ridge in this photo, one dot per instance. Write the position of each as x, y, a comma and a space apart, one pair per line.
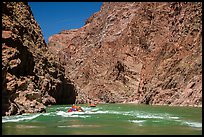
142, 52
31, 77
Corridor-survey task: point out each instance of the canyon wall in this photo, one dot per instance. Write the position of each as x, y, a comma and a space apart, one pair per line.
31, 77
140, 52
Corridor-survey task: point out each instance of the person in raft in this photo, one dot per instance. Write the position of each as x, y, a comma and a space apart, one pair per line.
75, 108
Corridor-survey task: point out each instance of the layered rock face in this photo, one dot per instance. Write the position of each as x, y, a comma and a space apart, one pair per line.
31, 76
136, 52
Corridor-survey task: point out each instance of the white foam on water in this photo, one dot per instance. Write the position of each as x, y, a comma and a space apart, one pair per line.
174, 117
193, 124
46, 114
127, 113
149, 116
71, 114
79, 126
87, 112
139, 122
49, 114
96, 112
19, 118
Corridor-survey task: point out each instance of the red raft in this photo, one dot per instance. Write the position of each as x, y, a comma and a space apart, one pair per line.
75, 108
92, 105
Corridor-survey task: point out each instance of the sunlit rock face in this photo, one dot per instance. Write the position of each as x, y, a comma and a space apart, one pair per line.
142, 52
31, 76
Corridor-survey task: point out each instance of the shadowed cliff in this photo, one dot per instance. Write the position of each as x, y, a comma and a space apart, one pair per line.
31, 77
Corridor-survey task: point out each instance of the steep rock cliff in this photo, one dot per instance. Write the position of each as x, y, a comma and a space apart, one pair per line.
32, 78
142, 52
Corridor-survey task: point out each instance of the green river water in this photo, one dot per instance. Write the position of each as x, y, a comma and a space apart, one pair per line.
107, 119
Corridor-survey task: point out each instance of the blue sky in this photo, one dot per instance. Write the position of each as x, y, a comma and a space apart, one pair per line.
53, 17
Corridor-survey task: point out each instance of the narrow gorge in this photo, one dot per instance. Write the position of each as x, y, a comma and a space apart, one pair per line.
128, 52
31, 77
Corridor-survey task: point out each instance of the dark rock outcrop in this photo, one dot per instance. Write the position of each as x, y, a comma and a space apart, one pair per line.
32, 78
142, 52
